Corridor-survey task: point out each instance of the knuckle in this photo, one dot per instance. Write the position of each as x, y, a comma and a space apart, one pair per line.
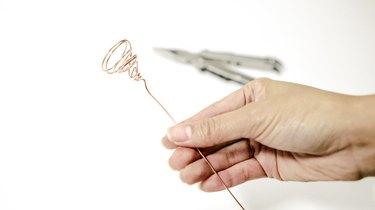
227, 178
261, 81
257, 88
207, 131
229, 157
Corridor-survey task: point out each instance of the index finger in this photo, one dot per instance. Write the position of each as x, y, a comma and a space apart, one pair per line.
233, 101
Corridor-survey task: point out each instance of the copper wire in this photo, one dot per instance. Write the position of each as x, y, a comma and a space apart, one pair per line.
128, 63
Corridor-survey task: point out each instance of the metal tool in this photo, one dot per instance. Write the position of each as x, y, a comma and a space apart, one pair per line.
218, 63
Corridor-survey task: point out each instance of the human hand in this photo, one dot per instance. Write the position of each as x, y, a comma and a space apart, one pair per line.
279, 130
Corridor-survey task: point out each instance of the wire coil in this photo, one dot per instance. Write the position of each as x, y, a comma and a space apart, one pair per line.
127, 62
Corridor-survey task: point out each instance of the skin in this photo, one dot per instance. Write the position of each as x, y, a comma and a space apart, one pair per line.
278, 130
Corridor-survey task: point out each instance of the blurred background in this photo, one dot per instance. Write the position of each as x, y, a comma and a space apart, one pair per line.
74, 137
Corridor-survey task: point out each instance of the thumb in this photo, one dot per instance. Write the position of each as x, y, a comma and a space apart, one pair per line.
212, 131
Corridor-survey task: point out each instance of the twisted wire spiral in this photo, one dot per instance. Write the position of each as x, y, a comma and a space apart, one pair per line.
127, 62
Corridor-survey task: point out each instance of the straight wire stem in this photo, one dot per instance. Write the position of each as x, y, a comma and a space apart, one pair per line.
198, 150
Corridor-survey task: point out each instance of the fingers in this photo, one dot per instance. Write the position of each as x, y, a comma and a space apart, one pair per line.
194, 169
228, 119
244, 171
231, 103
220, 123
182, 156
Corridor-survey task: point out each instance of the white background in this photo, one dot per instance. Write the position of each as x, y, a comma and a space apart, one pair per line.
73, 137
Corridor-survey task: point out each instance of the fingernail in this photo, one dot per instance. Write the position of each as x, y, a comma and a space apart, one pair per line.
179, 133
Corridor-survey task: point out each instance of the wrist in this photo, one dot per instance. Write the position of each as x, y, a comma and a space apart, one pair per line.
362, 134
